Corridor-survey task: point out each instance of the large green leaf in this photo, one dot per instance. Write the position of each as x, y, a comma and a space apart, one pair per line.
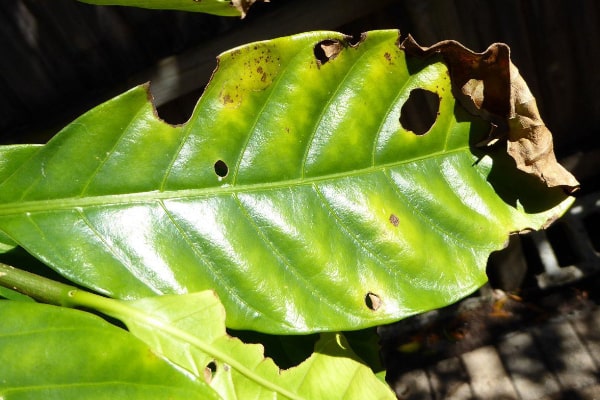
48, 352
293, 191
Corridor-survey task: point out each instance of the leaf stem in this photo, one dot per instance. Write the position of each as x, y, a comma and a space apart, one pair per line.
38, 287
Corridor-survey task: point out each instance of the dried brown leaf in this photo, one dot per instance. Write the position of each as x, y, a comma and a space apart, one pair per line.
489, 85
244, 5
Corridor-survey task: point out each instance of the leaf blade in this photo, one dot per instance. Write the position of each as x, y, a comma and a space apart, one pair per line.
49, 351
316, 212
189, 329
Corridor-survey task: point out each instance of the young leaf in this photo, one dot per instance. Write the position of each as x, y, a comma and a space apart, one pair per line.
53, 352
297, 190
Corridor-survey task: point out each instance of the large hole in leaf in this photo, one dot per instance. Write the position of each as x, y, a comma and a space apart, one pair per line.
287, 351
221, 169
179, 110
327, 50
420, 111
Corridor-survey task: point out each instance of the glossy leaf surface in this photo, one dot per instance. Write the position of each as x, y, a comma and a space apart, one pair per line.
52, 352
293, 191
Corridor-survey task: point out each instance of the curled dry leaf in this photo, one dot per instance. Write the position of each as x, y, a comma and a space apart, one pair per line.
489, 85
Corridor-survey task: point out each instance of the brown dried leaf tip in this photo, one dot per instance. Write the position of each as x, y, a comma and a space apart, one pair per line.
244, 5
489, 85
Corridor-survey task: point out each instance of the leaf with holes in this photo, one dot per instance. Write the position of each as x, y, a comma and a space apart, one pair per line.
304, 190
49, 352
188, 330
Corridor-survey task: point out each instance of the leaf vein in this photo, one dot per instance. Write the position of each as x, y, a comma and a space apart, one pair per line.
326, 107
299, 278
366, 249
214, 271
108, 154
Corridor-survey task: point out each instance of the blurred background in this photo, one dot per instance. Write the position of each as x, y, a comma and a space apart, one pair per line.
60, 58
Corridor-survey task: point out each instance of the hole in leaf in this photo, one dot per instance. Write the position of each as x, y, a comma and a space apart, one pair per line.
179, 110
420, 111
287, 351
221, 169
372, 301
327, 50
209, 371
355, 39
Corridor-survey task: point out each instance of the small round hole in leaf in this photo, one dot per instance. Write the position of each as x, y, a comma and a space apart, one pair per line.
372, 301
420, 111
221, 169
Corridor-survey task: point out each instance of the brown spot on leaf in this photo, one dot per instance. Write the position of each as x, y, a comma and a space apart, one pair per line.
394, 220
489, 85
388, 57
226, 98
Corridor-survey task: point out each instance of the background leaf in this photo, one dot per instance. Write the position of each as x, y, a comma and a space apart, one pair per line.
13, 295
294, 191
52, 352
216, 7
190, 331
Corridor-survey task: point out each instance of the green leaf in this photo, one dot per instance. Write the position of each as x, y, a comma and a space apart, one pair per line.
217, 7
52, 352
13, 295
293, 191
190, 331
10, 158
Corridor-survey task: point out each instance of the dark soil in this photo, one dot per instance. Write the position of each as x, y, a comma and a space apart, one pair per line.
423, 340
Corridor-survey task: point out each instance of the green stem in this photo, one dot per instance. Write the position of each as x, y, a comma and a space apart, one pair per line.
40, 288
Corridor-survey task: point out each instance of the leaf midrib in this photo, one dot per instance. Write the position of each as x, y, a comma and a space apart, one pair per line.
34, 206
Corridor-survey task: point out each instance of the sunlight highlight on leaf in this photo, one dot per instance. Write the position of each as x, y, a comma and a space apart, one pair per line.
326, 197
